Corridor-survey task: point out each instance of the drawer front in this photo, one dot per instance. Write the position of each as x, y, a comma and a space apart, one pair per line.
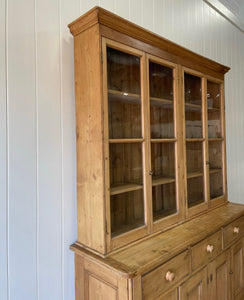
206, 250
233, 231
167, 275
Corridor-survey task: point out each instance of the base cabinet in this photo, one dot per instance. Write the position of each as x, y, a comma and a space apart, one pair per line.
195, 288
237, 271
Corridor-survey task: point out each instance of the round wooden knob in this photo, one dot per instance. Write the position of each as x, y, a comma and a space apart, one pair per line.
236, 230
170, 276
210, 248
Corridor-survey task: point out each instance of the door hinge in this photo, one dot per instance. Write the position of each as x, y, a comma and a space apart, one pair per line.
102, 57
106, 227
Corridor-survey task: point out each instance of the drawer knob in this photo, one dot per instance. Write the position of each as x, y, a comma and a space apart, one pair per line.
170, 276
210, 248
236, 230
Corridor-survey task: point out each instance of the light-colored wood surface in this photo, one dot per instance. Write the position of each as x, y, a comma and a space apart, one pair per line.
145, 255
219, 278
89, 140
156, 283
206, 250
195, 288
237, 268
230, 234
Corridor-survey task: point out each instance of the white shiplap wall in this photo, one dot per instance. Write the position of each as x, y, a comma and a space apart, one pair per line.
37, 127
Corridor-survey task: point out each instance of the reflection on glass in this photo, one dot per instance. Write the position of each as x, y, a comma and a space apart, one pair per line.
193, 106
194, 157
125, 164
161, 101
123, 71
162, 160
214, 109
124, 100
161, 81
161, 121
164, 200
216, 184
127, 212
195, 192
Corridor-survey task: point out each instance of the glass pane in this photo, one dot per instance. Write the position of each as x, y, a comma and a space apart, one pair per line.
127, 212
164, 200
195, 193
194, 157
125, 164
193, 106
161, 81
214, 110
216, 184
161, 101
163, 161
124, 117
123, 71
195, 181
215, 168
124, 99
215, 155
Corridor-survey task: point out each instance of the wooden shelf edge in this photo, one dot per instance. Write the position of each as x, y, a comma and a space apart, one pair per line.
120, 189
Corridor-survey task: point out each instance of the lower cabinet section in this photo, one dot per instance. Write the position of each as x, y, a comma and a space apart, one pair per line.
195, 288
237, 270
212, 268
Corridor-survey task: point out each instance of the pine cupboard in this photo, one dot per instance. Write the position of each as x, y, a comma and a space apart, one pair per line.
153, 217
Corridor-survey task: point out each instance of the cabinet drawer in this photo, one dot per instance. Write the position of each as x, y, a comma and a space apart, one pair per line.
164, 277
207, 249
233, 231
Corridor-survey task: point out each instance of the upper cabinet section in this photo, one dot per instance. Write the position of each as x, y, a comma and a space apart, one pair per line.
150, 132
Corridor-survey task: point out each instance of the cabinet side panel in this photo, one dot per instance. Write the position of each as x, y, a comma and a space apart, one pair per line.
90, 166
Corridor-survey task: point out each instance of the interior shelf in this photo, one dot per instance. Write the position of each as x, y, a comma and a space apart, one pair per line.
158, 180
215, 139
195, 140
124, 187
124, 97
117, 141
163, 140
165, 103
194, 174
216, 170
192, 107
212, 109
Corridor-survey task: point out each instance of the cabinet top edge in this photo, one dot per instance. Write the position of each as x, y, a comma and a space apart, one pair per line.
101, 16
148, 254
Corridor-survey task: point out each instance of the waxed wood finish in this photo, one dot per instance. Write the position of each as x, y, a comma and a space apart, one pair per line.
200, 253
139, 273
237, 265
219, 278
195, 288
155, 282
153, 217
90, 168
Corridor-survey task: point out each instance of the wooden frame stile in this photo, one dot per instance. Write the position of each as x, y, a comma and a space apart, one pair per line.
172, 219
224, 198
134, 234
192, 211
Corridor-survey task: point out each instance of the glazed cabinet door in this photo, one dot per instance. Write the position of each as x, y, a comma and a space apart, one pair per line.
125, 146
216, 141
195, 288
219, 278
195, 137
237, 271
163, 142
